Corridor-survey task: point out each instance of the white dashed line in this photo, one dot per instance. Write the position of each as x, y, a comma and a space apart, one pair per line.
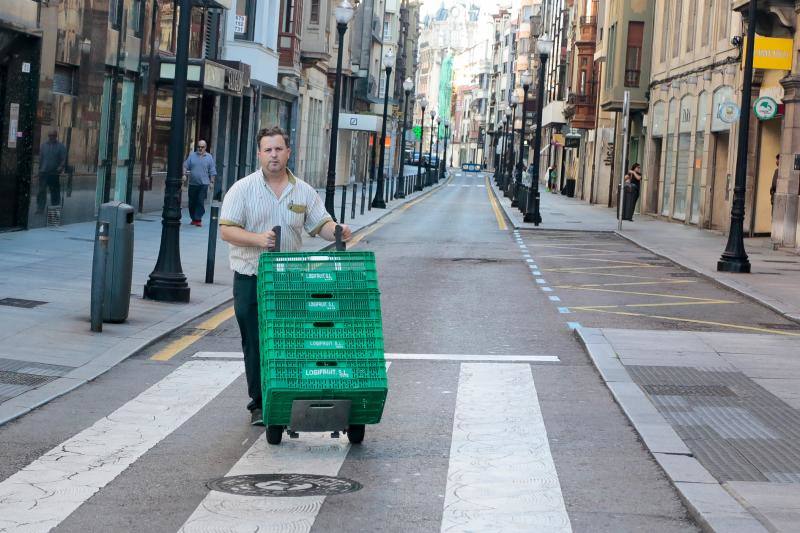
554, 298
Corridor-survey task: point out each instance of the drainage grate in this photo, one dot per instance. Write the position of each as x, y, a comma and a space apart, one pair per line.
283, 485
18, 302
782, 327
780, 261
28, 380
80, 239
737, 429
689, 390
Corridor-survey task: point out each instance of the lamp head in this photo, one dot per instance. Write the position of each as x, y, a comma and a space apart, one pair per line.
544, 45
408, 85
507, 113
423, 103
432, 114
388, 59
526, 78
343, 12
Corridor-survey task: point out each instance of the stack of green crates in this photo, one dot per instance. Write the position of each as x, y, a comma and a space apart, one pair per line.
321, 333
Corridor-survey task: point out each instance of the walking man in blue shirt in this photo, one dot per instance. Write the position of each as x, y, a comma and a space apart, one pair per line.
201, 170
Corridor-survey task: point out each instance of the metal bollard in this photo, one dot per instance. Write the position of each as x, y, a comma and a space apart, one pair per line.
344, 203
363, 195
211, 255
99, 277
369, 204
353, 203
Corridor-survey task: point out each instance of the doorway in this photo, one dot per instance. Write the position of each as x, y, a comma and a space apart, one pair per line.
760, 201
654, 179
8, 177
720, 214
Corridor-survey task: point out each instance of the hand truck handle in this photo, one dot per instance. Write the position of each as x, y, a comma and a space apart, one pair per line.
277, 247
340, 244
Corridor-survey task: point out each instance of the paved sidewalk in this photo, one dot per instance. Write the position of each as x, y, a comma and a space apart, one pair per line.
46, 346
720, 412
775, 277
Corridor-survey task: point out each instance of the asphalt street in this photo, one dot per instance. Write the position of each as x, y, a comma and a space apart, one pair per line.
496, 419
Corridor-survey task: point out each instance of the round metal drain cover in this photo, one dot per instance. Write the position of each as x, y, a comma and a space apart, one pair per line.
284, 485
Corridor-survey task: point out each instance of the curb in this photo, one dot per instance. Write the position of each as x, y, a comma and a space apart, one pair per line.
707, 500
28, 401
721, 282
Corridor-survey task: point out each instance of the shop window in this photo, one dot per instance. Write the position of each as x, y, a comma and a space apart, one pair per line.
633, 56
65, 80
245, 21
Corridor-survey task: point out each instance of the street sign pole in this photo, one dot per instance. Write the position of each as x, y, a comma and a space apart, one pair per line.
626, 112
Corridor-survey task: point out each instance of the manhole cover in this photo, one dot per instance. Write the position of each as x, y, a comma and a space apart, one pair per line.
18, 302
688, 390
284, 485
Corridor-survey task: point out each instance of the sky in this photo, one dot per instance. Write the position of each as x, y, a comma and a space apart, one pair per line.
429, 7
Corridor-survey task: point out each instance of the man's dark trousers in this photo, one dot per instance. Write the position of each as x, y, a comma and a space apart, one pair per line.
245, 305
53, 183
197, 201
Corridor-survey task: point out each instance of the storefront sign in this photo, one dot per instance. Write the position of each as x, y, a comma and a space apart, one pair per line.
234, 80
349, 121
765, 108
772, 53
214, 76
728, 112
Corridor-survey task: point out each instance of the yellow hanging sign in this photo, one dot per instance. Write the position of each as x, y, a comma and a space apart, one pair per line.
772, 53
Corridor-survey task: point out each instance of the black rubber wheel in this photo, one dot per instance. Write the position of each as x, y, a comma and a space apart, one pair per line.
274, 434
355, 433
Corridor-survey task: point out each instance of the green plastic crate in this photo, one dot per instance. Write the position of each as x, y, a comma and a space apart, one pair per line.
317, 261
285, 339
296, 280
323, 329
319, 305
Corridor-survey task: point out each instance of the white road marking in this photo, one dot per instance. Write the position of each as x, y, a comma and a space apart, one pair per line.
574, 325
537, 273
564, 310
547, 289
501, 475
312, 453
219, 355
44, 493
554, 298
530, 260
459, 357
540, 281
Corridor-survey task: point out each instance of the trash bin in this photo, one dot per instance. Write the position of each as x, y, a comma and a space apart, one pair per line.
119, 262
631, 197
569, 188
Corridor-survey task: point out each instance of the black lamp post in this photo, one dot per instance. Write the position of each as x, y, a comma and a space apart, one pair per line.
167, 282
446, 138
388, 62
526, 83
504, 153
343, 14
438, 158
734, 258
510, 162
423, 103
543, 46
408, 84
430, 150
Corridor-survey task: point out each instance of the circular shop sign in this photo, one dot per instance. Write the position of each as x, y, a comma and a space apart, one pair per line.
283, 485
765, 108
728, 112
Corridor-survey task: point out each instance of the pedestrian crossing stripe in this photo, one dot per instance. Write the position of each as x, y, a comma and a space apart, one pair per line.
421, 357
52, 487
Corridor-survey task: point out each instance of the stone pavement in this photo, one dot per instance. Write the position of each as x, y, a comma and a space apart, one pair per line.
775, 277
46, 346
719, 411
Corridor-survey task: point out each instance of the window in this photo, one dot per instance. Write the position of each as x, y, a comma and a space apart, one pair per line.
612, 37
387, 29
690, 37
707, 18
244, 23
65, 80
633, 55
314, 13
382, 89
676, 37
115, 13
287, 25
724, 18
137, 17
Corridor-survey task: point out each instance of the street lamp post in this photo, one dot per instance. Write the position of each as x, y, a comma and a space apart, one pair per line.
446, 138
504, 153
526, 83
543, 46
734, 258
408, 84
388, 62
423, 103
438, 158
167, 282
343, 14
510, 147
430, 150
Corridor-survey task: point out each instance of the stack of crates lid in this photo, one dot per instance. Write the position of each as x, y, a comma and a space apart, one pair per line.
320, 332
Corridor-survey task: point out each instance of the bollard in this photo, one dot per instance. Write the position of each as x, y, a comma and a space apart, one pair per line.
363, 195
344, 203
211, 255
369, 204
353, 203
99, 276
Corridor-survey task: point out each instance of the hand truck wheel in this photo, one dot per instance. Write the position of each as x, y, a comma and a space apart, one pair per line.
274, 434
355, 433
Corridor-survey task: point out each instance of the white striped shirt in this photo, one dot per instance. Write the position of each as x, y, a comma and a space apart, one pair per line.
252, 205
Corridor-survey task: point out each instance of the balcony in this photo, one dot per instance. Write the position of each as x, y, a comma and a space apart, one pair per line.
632, 78
580, 111
289, 48
588, 29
